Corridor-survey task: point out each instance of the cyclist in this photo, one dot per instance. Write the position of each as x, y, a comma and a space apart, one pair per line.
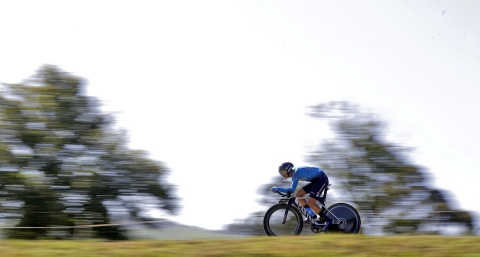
318, 181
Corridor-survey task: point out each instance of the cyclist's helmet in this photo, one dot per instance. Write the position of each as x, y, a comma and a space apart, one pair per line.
285, 168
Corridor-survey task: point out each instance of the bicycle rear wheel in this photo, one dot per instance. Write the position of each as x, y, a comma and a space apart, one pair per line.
272, 222
348, 218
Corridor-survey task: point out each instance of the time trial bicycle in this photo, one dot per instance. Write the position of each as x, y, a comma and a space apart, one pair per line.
286, 217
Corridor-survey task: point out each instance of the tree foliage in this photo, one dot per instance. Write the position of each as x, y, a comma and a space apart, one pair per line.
63, 164
394, 194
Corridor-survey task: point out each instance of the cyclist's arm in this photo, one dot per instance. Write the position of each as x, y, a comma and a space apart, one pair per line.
291, 189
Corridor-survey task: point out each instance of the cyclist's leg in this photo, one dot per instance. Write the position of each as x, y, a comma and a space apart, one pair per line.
306, 189
311, 203
301, 193
317, 188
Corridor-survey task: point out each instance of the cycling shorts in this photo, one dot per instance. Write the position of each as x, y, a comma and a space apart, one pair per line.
316, 187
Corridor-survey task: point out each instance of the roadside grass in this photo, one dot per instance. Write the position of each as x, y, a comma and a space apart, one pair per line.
318, 245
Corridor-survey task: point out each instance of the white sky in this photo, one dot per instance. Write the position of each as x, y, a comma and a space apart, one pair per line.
218, 90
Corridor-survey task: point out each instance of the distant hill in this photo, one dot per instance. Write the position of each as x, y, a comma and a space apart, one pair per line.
169, 230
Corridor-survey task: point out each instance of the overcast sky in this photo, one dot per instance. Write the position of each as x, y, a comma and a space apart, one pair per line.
219, 90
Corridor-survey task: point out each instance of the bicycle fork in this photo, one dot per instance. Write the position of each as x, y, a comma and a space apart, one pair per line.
289, 203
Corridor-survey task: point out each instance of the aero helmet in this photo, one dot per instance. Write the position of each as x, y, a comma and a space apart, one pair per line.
285, 168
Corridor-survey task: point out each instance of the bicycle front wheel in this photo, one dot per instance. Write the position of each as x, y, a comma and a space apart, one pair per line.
275, 226
345, 218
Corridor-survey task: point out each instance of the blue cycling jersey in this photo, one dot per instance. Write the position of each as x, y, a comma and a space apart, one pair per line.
302, 173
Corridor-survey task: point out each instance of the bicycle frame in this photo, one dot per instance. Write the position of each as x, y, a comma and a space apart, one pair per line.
293, 201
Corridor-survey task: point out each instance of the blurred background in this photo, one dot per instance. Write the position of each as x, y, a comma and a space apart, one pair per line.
168, 120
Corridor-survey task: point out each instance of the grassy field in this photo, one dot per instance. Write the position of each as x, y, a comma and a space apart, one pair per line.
321, 245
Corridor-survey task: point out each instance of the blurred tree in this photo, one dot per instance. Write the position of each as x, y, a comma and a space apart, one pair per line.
392, 192
62, 164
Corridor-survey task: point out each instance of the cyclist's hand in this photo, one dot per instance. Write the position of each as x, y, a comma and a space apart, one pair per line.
274, 189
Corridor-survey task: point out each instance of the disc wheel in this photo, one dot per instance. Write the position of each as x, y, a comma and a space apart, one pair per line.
348, 219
